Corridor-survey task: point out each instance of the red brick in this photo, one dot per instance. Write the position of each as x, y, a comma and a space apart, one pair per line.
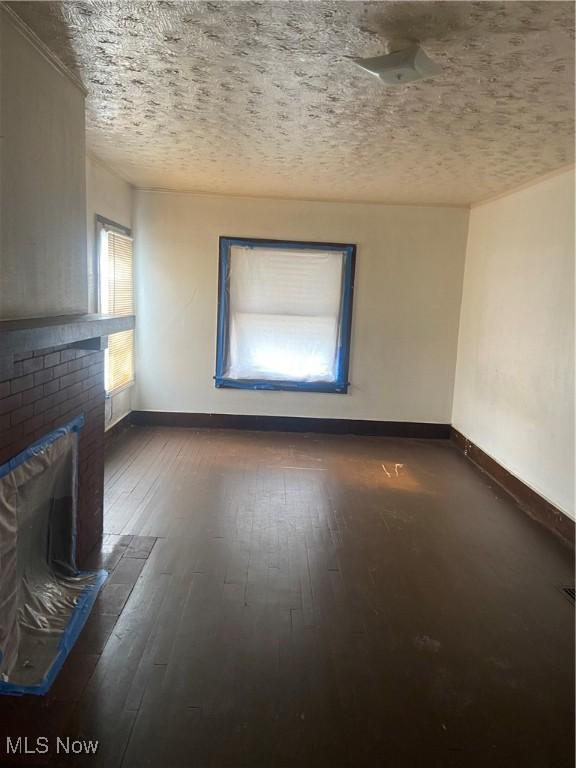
60, 370
22, 383
92, 388
71, 378
21, 414
43, 376
96, 369
70, 383
76, 365
71, 406
52, 414
32, 365
51, 386
52, 359
45, 403
33, 424
67, 354
10, 403
13, 442
31, 395
72, 391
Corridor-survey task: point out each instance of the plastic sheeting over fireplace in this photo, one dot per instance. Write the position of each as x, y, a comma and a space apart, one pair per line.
44, 599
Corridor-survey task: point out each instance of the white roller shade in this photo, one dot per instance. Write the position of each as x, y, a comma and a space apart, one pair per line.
284, 314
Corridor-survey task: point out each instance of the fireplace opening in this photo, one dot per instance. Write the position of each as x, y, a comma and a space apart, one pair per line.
44, 599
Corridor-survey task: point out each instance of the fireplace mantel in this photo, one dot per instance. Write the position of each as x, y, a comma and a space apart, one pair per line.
52, 373
31, 334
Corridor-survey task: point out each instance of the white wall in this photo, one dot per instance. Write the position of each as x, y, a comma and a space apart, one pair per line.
43, 224
514, 392
110, 196
406, 304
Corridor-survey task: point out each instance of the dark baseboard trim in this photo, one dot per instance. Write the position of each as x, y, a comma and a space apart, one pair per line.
530, 501
292, 424
115, 431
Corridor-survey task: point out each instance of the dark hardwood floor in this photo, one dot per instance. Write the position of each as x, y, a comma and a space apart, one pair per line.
300, 600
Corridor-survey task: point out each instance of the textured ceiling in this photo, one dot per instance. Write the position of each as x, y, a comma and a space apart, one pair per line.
259, 98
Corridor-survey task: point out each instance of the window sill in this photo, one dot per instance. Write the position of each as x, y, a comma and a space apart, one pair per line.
324, 387
118, 390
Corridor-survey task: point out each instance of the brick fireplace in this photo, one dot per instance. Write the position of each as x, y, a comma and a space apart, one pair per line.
44, 387
47, 389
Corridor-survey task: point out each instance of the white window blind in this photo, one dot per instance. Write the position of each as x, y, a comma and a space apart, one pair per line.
284, 314
117, 298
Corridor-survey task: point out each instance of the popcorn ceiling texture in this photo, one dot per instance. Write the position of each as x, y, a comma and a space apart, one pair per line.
259, 98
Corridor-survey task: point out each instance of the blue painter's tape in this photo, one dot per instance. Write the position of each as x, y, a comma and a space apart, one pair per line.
86, 600
38, 447
275, 384
340, 385
75, 625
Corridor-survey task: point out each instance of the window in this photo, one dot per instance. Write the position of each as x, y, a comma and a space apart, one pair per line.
284, 315
116, 297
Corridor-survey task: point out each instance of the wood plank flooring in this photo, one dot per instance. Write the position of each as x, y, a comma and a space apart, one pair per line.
302, 600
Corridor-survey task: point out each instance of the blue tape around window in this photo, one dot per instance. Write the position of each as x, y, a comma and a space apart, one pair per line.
297, 386
341, 384
33, 450
75, 625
